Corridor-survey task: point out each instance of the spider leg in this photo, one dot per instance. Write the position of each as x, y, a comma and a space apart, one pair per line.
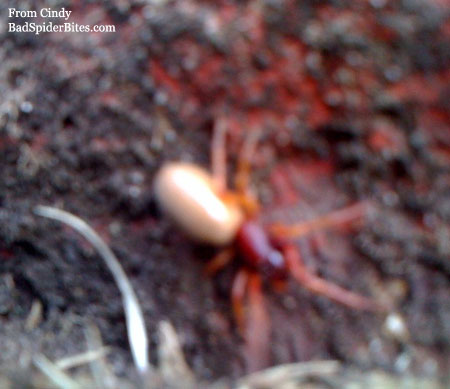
242, 195
219, 261
332, 219
325, 288
249, 204
257, 330
218, 154
238, 291
242, 177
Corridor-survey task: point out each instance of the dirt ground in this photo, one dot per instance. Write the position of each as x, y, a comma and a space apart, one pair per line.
352, 99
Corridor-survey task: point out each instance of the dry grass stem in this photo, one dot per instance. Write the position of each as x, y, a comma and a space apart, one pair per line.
137, 335
82, 358
276, 377
172, 365
54, 373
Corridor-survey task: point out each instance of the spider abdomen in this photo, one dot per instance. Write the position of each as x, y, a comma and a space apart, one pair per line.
188, 195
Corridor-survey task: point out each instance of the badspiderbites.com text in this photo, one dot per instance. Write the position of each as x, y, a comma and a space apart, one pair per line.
19, 25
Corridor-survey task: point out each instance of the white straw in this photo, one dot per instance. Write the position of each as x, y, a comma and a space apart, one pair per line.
137, 334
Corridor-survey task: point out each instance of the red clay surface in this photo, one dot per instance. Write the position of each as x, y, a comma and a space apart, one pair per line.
352, 99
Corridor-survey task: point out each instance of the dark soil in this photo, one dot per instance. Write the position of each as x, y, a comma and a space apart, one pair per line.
353, 102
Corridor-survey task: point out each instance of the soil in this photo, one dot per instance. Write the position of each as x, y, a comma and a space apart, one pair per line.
352, 101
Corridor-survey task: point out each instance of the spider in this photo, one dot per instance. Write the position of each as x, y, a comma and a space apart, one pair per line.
201, 204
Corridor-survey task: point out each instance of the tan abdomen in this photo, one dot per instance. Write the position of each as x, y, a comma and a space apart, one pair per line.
187, 194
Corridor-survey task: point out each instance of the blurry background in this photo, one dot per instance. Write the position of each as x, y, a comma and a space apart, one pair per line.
352, 98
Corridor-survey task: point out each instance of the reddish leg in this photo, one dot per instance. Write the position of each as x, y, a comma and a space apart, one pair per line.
237, 298
332, 219
320, 286
218, 155
257, 327
242, 178
220, 260
219, 168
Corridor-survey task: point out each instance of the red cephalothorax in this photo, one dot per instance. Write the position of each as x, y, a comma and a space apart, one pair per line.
258, 251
